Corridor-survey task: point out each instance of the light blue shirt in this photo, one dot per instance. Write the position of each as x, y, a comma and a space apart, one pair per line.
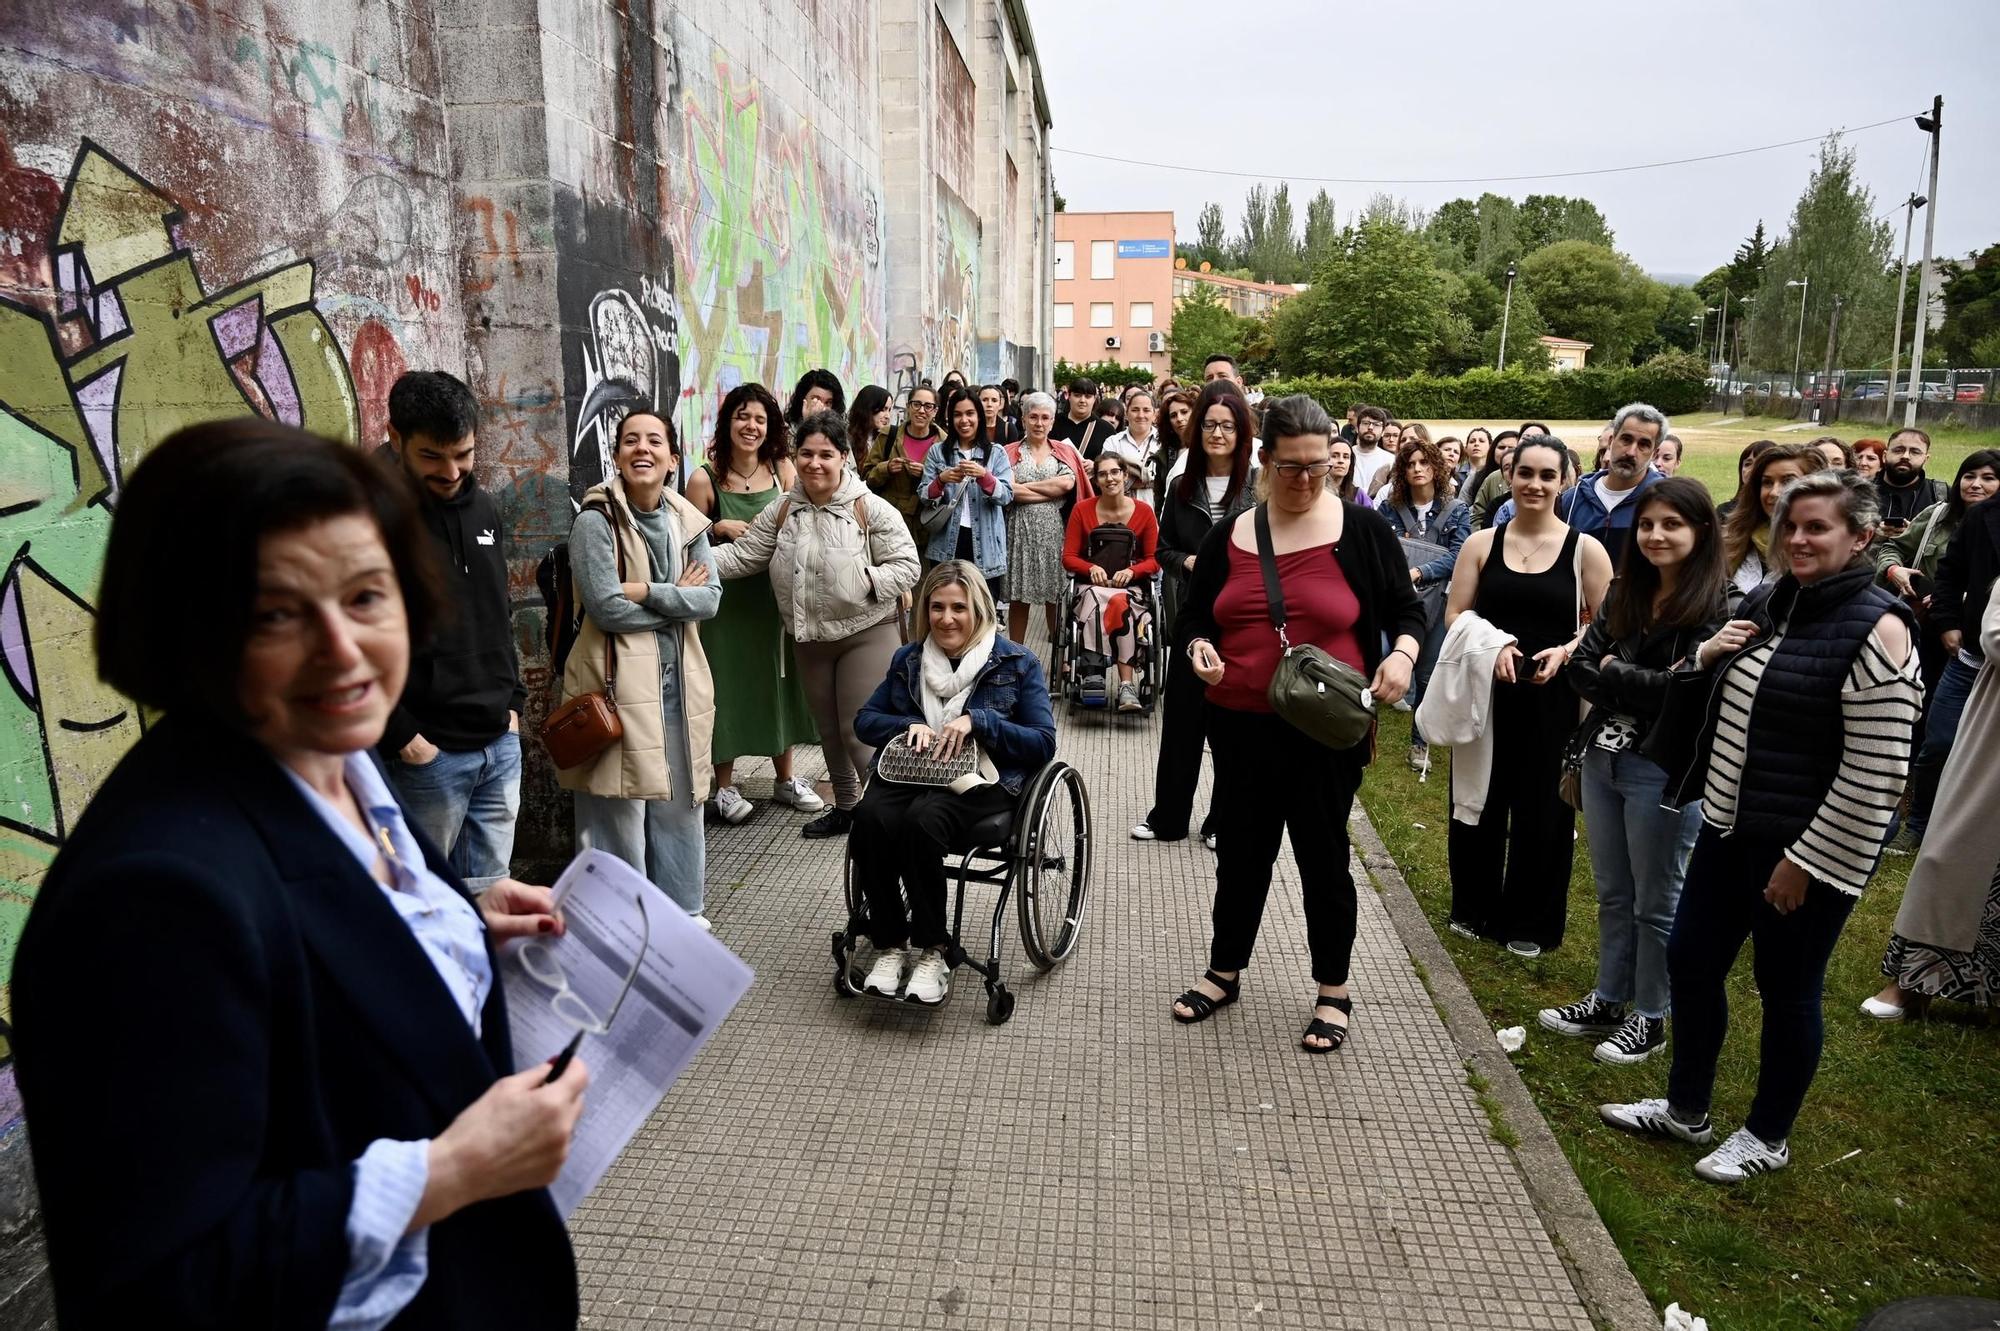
385, 1266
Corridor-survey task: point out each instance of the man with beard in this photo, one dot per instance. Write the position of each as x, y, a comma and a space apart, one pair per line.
1602, 503
1369, 455
1904, 488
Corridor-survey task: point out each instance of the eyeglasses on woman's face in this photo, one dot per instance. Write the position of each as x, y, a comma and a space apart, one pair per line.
1218, 427
1291, 471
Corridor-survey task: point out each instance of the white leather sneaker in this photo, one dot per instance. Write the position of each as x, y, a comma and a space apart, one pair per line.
731, 807
885, 977
799, 795
930, 979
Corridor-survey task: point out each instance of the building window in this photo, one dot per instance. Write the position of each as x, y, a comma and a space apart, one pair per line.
1142, 314
1100, 314
1101, 253
1065, 261
1065, 316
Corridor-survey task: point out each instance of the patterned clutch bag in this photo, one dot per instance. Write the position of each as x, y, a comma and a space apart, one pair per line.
904, 766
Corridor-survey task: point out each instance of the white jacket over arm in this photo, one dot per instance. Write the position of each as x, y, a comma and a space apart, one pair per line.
1456, 708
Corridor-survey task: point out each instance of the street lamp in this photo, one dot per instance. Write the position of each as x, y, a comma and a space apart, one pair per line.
1707, 359
1506, 312
1799, 346
1896, 343
1932, 125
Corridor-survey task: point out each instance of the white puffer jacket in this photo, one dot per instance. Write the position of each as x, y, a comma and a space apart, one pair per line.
831, 579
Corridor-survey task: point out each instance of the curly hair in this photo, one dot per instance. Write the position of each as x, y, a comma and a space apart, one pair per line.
1399, 482
777, 436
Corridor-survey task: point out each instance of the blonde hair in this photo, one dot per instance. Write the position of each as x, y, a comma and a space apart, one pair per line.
954, 573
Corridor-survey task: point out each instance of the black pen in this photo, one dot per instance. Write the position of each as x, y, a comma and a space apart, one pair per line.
560, 1063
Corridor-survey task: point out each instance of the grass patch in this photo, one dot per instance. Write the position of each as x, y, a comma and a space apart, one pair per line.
1818, 1245
1496, 1115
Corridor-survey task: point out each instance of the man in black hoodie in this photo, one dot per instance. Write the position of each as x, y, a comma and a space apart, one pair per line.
453, 743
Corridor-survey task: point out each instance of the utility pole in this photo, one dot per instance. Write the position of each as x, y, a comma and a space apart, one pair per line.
1832, 333
1506, 312
1722, 343
1933, 125
1799, 343
1902, 282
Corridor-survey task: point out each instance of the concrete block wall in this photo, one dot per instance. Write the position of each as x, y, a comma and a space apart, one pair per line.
577, 205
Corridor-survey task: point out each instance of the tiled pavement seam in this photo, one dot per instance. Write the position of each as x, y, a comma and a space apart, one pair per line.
845, 1163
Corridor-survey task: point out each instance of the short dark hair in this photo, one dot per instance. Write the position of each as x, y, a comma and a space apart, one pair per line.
811, 379
1010, 385
1083, 386
1533, 425
1372, 414
211, 493
431, 402
826, 423
868, 403
647, 409
1290, 417
1219, 356
1911, 429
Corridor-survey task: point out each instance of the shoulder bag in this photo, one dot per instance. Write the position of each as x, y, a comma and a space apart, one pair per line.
1325, 698
588, 724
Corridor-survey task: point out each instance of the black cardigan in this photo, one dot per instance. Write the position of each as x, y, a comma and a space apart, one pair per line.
1183, 525
216, 1010
1370, 558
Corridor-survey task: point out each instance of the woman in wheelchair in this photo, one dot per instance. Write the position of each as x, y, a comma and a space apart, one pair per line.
1112, 542
955, 683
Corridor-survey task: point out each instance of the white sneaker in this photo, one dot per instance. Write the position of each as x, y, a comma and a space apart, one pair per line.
799, 795
1652, 1118
930, 979
1873, 1006
731, 807
885, 977
1208, 839
701, 922
1743, 1156
1144, 832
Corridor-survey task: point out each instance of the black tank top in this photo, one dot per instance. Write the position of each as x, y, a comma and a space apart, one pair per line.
1537, 608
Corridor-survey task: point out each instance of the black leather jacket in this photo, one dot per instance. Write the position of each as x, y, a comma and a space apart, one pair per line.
1633, 682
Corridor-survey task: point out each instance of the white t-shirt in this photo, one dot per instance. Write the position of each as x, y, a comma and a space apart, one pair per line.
1609, 497
1369, 464
1140, 455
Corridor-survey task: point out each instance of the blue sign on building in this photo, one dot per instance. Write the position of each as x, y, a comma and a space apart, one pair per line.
1145, 249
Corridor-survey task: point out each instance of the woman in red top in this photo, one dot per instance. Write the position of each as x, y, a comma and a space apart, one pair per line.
1107, 617
1347, 590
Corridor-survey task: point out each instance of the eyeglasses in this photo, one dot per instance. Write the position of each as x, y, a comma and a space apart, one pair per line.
538, 959
923, 406
1218, 427
1291, 471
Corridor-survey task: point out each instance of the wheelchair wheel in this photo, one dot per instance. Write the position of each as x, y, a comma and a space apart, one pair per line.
1052, 864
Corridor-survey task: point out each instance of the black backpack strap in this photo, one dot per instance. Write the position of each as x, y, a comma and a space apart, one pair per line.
1267, 559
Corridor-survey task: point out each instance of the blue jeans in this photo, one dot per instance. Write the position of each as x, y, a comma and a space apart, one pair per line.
1954, 686
1639, 854
466, 804
662, 839
1722, 905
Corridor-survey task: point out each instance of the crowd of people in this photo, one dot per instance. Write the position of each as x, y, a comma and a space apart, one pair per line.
1747, 702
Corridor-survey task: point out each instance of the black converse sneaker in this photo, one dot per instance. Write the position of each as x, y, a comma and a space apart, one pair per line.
1587, 1018
1634, 1041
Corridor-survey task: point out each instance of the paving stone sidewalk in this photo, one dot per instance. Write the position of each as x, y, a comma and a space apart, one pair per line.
841, 1163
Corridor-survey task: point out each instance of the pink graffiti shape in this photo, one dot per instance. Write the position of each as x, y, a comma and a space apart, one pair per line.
275, 378
14, 640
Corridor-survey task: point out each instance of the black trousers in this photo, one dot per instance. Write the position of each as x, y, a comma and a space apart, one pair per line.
1510, 873
1271, 779
1183, 728
903, 833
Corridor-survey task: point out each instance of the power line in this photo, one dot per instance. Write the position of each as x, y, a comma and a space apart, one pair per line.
1467, 180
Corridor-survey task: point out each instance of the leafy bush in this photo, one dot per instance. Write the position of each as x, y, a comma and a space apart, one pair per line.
1105, 374
1671, 381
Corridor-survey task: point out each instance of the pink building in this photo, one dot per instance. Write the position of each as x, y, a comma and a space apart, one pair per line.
1113, 288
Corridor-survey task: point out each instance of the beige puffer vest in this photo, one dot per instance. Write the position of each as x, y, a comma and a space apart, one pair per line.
636, 767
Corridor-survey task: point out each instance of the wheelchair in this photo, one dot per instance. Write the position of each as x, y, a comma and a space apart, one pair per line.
1038, 852
1087, 680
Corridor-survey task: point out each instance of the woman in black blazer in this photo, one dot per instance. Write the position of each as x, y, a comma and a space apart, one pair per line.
1346, 588
265, 1081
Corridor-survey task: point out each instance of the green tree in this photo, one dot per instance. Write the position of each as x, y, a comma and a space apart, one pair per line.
1544, 219
1203, 326
1499, 242
1839, 247
1595, 294
1454, 227
1211, 244
1390, 210
1525, 329
1678, 326
1378, 304
1280, 260
1252, 240
1322, 232
1971, 294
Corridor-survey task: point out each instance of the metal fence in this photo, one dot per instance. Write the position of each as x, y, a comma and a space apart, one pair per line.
1969, 396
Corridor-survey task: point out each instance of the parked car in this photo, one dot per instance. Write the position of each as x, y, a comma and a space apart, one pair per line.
1874, 388
1971, 392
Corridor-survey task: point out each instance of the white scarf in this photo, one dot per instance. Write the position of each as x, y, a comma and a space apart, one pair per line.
945, 689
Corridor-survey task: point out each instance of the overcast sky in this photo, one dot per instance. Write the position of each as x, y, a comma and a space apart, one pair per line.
1441, 88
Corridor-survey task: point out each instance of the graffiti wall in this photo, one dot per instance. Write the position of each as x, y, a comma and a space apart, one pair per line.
776, 237
201, 214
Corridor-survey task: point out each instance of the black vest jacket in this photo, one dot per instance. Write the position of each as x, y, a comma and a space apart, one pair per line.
1795, 729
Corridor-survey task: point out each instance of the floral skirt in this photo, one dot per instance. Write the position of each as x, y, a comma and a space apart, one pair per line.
1963, 977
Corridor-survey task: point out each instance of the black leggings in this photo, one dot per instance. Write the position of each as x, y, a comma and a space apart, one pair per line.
1182, 729
1271, 779
904, 833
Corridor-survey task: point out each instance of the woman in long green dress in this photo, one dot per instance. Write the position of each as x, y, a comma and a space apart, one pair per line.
760, 702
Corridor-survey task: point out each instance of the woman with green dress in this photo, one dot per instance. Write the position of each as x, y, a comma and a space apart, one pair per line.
760, 702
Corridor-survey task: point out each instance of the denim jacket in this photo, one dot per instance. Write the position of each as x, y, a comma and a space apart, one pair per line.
989, 507
1009, 708
1449, 528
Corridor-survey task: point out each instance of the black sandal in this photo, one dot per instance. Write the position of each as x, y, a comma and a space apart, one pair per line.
1326, 1030
1202, 1005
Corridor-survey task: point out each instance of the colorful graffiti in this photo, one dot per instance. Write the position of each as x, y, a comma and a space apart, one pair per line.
128, 348
778, 244
949, 342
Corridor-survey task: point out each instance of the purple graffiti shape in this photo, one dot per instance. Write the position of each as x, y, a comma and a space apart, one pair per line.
274, 375
236, 332
98, 401
14, 642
